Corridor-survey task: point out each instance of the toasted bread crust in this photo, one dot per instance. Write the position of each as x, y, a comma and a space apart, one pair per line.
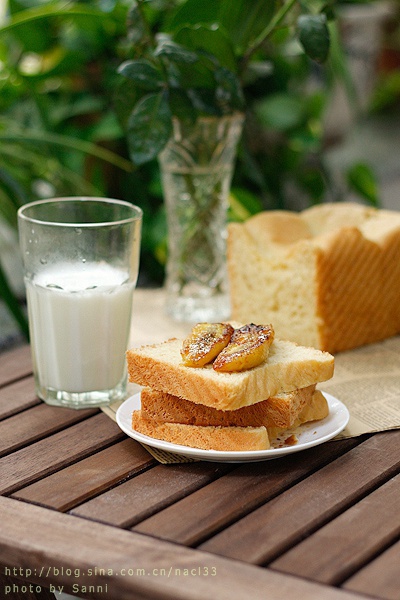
279, 411
288, 367
326, 277
206, 438
226, 438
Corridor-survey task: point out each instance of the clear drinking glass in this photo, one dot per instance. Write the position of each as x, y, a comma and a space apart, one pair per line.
81, 261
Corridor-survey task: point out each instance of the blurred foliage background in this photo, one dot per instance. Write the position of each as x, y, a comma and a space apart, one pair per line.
62, 123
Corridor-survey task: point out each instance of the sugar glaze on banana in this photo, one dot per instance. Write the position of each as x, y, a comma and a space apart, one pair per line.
228, 349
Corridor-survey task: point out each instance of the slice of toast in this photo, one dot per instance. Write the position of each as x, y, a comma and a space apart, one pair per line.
288, 367
207, 438
230, 438
278, 411
315, 410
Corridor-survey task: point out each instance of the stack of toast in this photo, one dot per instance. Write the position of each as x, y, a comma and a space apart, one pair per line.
228, 411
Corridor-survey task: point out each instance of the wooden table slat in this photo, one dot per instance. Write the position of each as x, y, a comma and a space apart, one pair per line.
380, 578
149, 492
345, 544
37, 422
15, 364
275, 527
57, 451
167, 571
17, 396
82, 480
224, 501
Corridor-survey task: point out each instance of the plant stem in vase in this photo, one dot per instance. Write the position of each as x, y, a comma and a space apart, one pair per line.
196, 169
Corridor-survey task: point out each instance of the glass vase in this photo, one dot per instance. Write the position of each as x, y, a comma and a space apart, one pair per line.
196, 172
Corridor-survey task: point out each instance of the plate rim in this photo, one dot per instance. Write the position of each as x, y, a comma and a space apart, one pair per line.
232, 455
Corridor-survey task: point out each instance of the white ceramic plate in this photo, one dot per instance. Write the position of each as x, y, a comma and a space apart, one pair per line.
308, 435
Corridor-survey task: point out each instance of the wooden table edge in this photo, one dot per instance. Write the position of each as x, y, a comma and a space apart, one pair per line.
58, 549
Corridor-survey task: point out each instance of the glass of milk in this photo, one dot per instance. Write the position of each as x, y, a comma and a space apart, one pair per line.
81, 261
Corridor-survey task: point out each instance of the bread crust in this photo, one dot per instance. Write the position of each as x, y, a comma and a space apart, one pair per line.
207, 438
287, 368
227, 438
326, 277
278, 411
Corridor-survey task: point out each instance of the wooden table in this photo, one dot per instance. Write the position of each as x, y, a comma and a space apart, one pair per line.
88, 510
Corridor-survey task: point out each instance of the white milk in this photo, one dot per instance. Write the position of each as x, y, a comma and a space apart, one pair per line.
79, 326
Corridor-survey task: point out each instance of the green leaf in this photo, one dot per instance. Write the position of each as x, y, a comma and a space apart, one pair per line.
126, 94
281, 111
11, 301
192, 12
35, 37
338, 64
58, 64
229, 93
315, 105
37, 13
210, 40
243, 204
244, 20
8, 209
196, 76
305, 141
203, 100
38, 136
149, 128
312, 180
257, 70
106, 128
137, 30
386, 92
314, 36
175, 52
143, 73
329, 9
12, 189
361, 179
181, 106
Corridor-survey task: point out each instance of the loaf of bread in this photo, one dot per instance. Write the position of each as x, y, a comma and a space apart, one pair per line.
287, 368
281, 410
207, 438
327, 277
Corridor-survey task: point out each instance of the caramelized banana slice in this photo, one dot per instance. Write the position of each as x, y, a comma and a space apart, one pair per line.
249, 347
205, 342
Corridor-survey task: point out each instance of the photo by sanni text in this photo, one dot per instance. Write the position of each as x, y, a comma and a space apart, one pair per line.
81, 261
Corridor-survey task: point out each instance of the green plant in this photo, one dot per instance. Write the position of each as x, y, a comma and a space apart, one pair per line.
65, 108
58, 131
202, 57
199, 59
